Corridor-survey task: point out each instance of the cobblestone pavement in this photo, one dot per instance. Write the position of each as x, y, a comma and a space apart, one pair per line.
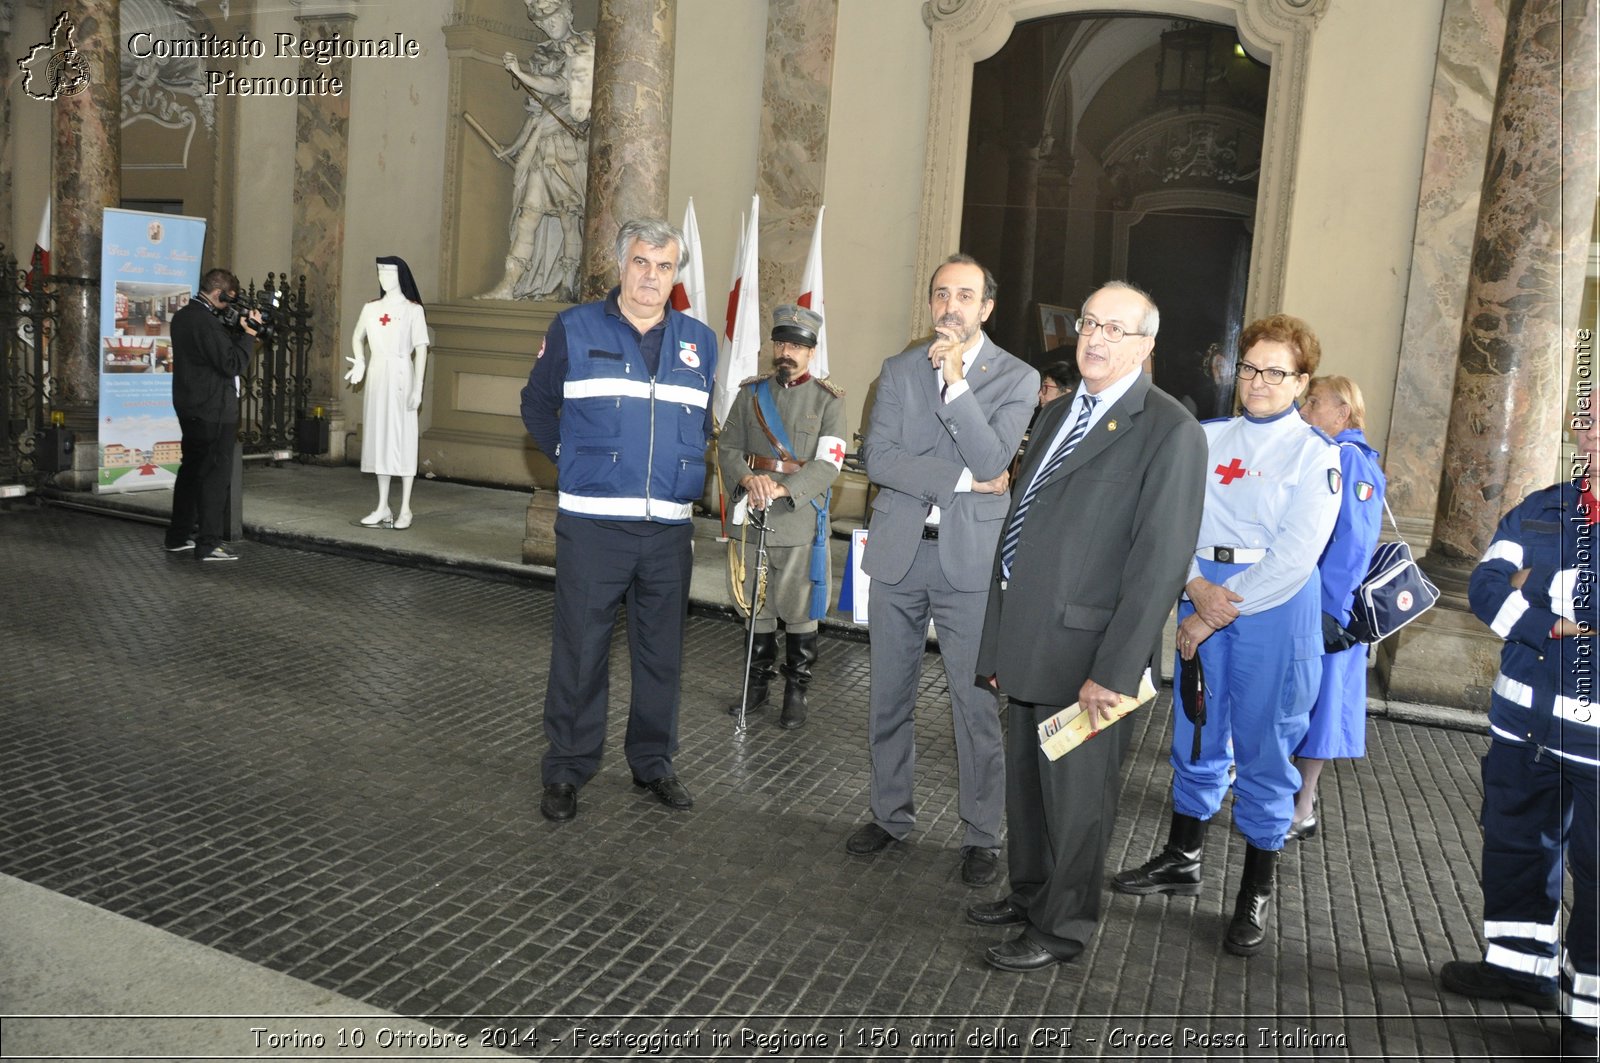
329, 767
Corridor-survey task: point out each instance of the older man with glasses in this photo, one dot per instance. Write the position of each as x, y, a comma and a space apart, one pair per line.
1096, 542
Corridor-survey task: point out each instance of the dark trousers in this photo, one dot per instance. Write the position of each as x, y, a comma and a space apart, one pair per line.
200, 497
599, 566
1059, 816
1539, 817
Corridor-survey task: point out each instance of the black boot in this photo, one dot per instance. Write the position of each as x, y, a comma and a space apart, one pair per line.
1175, 869
762, 672
1248, 931
797, 673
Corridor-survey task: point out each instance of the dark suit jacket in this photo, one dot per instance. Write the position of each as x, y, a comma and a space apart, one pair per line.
1103, 554
916, 447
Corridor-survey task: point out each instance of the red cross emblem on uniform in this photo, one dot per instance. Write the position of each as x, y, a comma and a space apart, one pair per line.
384, 320
836, 452
1231, 472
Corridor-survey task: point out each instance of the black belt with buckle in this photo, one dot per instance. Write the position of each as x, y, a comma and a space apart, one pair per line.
930, 532
1223, 554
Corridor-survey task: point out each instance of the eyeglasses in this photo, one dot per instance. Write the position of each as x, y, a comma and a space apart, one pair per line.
1085, 326
1274, 375
1050, 385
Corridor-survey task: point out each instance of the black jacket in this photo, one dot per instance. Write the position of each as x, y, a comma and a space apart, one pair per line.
206, 357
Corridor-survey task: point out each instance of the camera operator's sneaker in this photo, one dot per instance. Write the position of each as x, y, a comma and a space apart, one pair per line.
218, 553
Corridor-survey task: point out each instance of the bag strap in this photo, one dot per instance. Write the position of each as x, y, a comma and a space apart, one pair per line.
779, 439
1387, 511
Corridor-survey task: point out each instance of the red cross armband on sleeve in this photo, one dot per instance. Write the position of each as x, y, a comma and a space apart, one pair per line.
831, 450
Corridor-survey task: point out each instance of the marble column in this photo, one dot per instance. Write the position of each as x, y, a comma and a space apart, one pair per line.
321, 170
630, 129
8, 140
1519, 322
1471, 34
792, 159
87, 163
1535, 217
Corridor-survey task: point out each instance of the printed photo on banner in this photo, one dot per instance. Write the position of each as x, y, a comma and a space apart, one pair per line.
153, 264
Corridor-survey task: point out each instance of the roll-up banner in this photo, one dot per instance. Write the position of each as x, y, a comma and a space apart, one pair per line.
149, 268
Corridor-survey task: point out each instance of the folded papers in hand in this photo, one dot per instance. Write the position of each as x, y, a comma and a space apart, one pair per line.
1071, 727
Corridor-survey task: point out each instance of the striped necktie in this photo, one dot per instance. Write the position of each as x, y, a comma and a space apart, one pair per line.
1080, 428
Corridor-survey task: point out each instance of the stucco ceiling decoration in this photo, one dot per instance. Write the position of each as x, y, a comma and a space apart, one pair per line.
1221, 148
169, 91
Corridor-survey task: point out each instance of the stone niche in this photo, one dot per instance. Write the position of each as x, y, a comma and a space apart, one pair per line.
483, 348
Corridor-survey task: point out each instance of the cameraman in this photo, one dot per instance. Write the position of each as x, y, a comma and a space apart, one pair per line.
208, 357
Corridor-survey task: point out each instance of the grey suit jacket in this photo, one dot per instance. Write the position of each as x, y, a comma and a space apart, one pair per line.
916, 447
1104, 551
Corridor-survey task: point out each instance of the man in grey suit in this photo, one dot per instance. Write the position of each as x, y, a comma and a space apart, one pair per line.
945, 424
1103, 523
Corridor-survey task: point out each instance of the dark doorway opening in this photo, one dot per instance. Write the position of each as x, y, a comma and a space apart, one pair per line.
1121, 147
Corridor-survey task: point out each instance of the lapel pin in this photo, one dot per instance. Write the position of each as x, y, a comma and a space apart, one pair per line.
1111, 426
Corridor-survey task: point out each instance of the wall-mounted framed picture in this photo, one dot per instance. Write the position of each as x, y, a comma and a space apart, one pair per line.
1055, 326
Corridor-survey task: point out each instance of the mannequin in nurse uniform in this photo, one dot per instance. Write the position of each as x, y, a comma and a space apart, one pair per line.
390, 353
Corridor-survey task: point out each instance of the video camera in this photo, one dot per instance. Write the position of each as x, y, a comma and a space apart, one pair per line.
238, 308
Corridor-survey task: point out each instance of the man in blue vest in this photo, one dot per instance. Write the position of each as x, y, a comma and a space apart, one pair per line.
620, 400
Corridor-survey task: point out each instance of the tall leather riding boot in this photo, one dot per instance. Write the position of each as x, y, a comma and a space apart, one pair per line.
1248, 931
1175, 869
802, 654
762, 672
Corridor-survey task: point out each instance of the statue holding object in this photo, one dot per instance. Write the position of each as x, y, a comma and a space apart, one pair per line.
550, 160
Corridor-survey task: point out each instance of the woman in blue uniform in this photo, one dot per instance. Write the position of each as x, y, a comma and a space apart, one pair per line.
1339, 717
1253, 613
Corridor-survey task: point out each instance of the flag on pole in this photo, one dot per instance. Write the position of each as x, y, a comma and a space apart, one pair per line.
743, 329
689, 293
811, 296
40, 267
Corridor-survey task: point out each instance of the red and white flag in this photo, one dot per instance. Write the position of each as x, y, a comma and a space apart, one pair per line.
40, 267
742, 351
689, 293
811, 296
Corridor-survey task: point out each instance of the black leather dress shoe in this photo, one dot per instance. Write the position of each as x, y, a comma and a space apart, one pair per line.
560, 802
668, 790
1021, 954
995, 913
1482, 981
978, 865
867, 839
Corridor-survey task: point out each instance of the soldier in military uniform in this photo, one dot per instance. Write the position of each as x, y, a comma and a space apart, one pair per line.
782, 446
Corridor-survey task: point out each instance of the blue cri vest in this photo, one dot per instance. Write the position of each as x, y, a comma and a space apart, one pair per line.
632, 447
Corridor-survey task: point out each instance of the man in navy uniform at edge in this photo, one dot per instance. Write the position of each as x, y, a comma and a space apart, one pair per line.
1535, 588
620, 400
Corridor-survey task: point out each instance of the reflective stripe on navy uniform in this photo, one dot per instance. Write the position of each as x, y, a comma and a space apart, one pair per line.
1273, 485
1541, 772
632, 444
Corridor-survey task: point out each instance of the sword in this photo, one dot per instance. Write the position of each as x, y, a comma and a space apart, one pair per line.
758, 517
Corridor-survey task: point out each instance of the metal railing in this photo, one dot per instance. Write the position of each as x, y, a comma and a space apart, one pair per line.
275, 391
27, 323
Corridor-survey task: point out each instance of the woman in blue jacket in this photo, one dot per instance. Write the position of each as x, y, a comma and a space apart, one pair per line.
1339, 717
